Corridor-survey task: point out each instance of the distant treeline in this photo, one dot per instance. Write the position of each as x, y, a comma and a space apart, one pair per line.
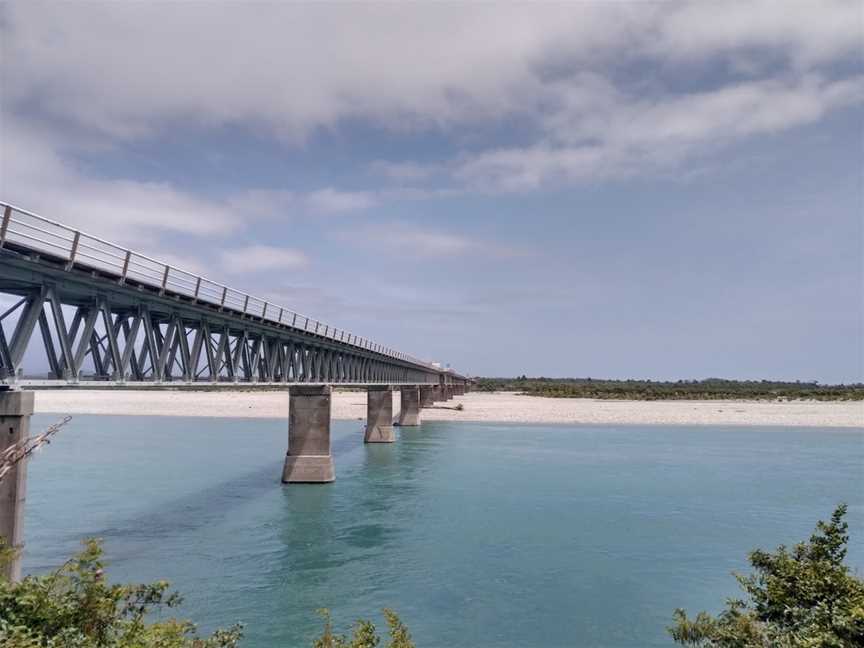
709, 389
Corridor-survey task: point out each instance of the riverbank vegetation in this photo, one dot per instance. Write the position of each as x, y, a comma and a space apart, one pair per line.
805, 597
364, 635
709, 389
76, 607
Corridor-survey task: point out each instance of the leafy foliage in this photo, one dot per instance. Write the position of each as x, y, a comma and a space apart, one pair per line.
74, 607
710, 389
803, 598
364, 635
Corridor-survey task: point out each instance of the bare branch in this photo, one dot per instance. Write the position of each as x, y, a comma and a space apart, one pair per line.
19, 451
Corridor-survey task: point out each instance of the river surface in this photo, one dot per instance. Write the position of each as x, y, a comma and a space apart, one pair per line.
478, 535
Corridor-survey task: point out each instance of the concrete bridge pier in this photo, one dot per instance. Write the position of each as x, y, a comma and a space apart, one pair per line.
309, 459
448, 392
379, 415
409, 415
427, 395
15, 410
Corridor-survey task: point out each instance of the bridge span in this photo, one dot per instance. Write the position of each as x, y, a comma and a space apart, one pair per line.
109, 317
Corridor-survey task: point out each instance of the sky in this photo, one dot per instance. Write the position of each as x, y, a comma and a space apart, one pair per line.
647, 190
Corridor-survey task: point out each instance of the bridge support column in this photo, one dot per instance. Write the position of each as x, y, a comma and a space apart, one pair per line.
410, 412
448, 392
308, 459
427, 395
379, 415
15, 410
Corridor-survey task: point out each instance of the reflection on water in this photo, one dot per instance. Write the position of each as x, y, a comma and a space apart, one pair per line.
479, 535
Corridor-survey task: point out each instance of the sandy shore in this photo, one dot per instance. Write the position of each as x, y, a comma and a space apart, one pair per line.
488, 407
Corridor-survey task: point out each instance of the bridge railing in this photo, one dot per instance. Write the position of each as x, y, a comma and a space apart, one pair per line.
25, 229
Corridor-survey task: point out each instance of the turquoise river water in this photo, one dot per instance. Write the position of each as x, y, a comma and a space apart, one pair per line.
479, 535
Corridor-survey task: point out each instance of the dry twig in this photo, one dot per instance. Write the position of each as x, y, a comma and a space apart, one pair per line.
24, 448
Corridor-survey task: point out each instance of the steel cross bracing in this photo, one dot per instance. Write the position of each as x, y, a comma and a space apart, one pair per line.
99, 325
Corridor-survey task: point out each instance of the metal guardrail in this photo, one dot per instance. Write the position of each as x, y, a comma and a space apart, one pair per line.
79, 249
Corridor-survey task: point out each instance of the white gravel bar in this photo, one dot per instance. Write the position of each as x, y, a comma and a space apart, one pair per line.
499, 407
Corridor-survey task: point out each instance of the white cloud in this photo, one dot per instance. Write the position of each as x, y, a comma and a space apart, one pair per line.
294, 68
446, 69
428, 243
264, 203
616, 135
809, 32
330, 200
36, 176
733, 111
400, 239
402, 171
259, 258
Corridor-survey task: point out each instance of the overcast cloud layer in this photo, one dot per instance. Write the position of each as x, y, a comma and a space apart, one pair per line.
642, 182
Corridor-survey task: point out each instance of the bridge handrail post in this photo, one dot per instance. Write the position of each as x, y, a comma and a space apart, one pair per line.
126, 265
74, 250
7, 217
165, 277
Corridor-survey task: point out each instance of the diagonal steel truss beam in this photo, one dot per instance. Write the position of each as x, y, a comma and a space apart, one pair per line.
106, 337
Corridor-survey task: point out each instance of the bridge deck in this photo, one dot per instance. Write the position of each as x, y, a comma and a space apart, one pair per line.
137, 319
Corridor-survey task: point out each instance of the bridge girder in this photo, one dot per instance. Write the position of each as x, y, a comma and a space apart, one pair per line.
120, 333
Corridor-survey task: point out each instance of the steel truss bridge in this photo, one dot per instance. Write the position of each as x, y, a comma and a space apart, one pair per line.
107, 316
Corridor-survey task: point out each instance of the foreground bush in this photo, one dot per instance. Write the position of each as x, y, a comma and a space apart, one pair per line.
363, 634
74, 607
803, 598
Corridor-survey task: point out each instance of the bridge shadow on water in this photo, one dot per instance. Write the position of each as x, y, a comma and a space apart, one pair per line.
283, 538
199, 509
359, 521
229, 530
211, 504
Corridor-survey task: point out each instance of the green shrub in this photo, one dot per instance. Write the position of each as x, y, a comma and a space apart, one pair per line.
363, 634
75, 607
803, 598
